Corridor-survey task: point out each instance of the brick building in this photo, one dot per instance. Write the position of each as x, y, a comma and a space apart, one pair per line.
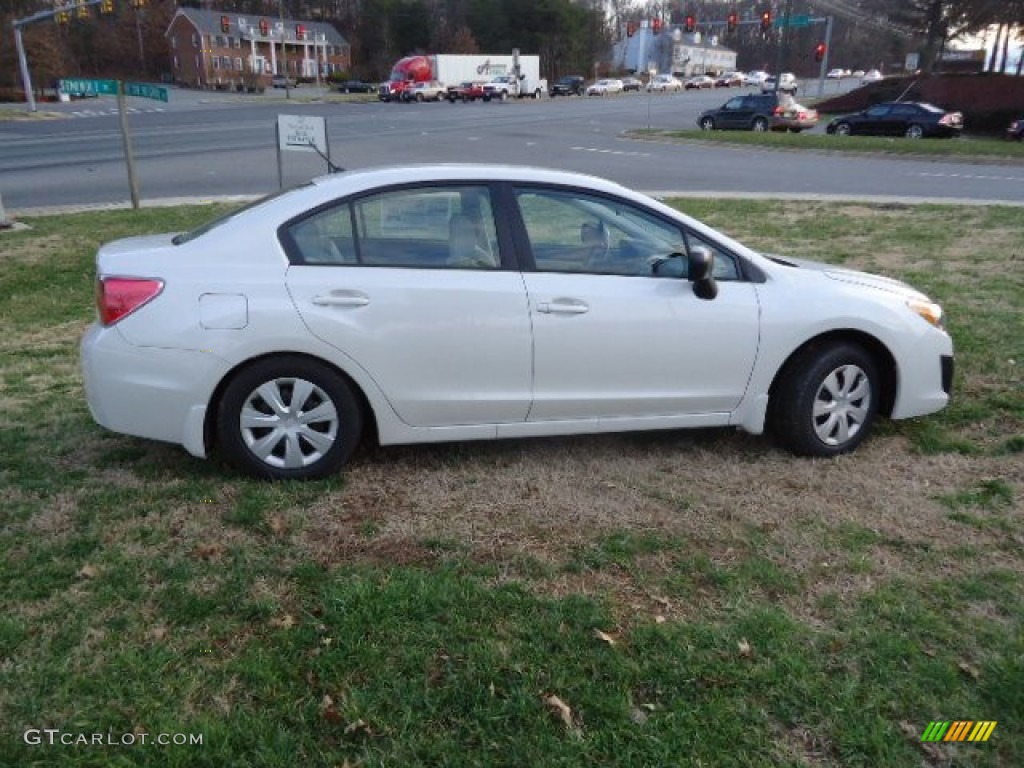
229, 50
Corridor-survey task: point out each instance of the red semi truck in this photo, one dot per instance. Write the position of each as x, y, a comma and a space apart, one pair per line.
521, 72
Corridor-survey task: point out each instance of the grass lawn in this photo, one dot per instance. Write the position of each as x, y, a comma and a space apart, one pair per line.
964, 147
685, 598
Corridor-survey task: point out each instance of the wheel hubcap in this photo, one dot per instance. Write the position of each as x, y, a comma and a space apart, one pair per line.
289, 423
841, 405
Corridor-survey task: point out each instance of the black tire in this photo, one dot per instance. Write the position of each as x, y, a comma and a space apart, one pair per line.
760, 125
843, 129
795, 130
419, 97
707, 123
316, 447
825, 401
914, 131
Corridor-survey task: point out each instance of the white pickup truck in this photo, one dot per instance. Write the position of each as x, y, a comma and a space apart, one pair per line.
507, 86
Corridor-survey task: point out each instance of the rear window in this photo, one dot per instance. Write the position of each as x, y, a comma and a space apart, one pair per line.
186, 237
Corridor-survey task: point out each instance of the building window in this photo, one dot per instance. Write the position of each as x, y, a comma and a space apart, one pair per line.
216, 62
175, 61
174, 43
238, 63
238, 42
195, 40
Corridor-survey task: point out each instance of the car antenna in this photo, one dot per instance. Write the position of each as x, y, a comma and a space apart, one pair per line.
912, 84
331, 167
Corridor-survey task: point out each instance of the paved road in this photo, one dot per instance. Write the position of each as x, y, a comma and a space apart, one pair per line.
206, 145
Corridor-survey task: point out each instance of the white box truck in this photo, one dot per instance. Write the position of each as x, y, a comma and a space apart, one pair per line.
455, 68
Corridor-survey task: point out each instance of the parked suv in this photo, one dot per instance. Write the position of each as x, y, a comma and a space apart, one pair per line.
570, 85
759, 112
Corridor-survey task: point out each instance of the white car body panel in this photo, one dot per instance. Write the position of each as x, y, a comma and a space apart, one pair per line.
462, 358
605, 346
477, 358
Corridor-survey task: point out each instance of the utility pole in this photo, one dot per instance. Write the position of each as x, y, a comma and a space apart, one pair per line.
783, 42
284, 50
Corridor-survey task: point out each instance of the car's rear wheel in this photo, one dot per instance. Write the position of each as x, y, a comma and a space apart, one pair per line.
795, 130
826, 399
760, 125
914, 131
843, 129
288, 418
707, 124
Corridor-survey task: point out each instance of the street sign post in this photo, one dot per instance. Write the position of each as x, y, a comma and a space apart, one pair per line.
77, 86
146, 91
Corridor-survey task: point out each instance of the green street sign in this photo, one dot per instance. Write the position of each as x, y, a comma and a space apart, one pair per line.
145, 91
79, 87
792, 21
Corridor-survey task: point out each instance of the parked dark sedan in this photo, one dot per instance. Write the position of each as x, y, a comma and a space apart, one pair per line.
356, 86
1016, 130
913, 119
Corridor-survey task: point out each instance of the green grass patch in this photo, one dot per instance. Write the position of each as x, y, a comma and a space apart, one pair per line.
965, 147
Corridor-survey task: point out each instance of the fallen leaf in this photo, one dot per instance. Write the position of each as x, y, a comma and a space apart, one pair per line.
662, 601
659, 619
88, 572
158, 632
358, 728
284, 622
744, 647
638, 716
328, 711
278, 525
560, 709
969, 669
604, 636
207, 551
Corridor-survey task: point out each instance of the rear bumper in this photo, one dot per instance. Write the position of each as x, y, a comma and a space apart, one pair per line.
159, 394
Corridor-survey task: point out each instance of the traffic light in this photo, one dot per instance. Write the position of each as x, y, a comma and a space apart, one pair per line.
63, 17
264, 27
656, 25
630, 28
766, 21
83, 12
691, 24
107, 6
300, 31
819, 52
732, 21
225, 24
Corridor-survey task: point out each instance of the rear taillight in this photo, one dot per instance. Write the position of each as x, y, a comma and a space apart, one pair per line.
778, 111
118, 297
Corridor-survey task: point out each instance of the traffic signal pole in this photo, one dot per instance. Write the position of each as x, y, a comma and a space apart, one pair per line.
824, 59
26, 77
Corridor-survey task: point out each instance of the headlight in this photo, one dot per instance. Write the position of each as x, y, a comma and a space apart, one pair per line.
929, 310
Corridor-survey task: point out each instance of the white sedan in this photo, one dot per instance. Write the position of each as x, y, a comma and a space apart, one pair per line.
604, 87
665, 84
473, 302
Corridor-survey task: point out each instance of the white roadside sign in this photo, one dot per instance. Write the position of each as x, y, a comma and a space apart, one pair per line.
301, 133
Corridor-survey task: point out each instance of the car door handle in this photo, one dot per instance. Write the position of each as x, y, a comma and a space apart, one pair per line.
341, 299
563, 307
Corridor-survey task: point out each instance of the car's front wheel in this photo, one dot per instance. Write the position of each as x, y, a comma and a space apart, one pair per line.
826, 399
288, 418
707, 124
843, 129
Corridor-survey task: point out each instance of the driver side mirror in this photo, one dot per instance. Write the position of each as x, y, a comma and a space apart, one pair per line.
700, 267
